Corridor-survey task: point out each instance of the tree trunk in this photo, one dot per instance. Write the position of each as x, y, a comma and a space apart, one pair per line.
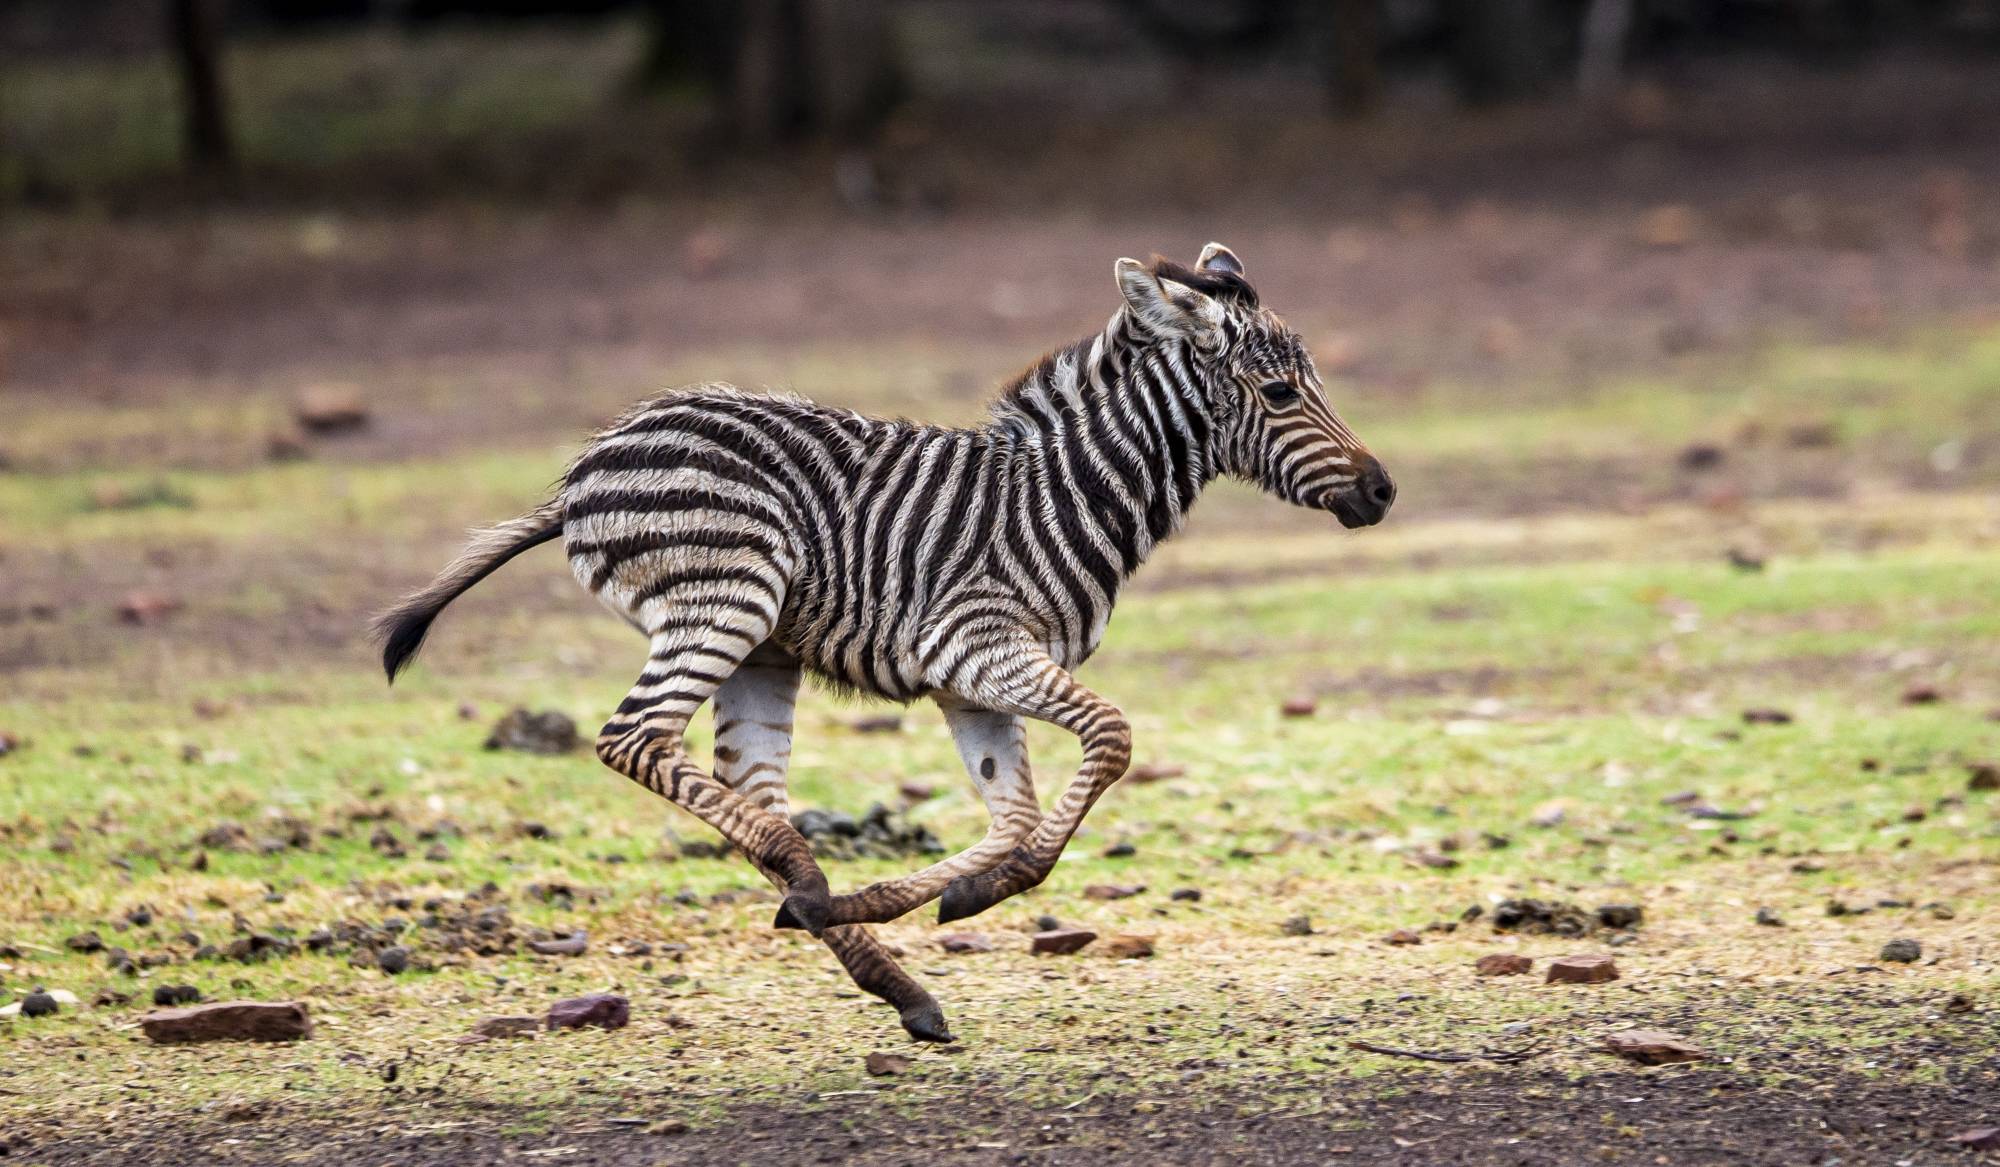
1351, 52
197, 35
1503, 48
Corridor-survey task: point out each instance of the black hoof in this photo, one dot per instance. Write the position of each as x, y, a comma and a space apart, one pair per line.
807, 912
961, 899
925, 1022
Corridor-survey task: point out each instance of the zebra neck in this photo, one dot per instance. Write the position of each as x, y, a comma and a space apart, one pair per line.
1115, 430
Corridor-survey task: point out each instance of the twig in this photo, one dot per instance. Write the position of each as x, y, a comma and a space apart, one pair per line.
1502, 1057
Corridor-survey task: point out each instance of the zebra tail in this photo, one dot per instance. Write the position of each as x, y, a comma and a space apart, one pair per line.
401, 629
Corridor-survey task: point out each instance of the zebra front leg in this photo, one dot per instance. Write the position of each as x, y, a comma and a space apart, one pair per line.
753, 750
1026, 682
994, 748
644, 741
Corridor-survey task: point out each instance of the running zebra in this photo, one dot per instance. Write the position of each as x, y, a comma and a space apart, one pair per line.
755, 539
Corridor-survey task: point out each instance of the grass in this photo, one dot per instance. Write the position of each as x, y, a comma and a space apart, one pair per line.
1521, 695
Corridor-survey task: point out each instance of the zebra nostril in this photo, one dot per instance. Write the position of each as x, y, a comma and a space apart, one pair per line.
1382, 491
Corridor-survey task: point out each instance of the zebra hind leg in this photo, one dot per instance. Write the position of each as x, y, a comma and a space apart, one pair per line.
644, 741
1023, 680
753, 748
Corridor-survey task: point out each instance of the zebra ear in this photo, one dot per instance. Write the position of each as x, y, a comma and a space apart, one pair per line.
1163, 306
1216, 257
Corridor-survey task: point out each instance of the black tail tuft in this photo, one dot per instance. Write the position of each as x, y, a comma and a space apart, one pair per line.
402, 630
402, 627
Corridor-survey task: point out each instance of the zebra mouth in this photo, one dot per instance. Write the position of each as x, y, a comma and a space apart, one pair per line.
1352, 510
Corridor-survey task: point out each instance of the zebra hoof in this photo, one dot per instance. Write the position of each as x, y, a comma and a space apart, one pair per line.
962, 899
807, 912
925, 1022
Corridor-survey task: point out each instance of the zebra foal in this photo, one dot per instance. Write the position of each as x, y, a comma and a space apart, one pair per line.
756, 539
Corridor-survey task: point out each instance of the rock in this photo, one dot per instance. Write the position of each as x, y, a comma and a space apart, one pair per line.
1437, 860
1985, 1138
330, 409
1766, 717
1542, 918
1402, 936
168, 996
1112, 891
229, 1021
9, 742
84, 942
1667, 227
1770, 918
964, 942
916, 791
1120, 850
1653, 1047
547, 732
1129, 947
570, 945
394, 960
604, 1010
1301, 706
146, 607
39, 1004
1502, 964
883, 1065
1047, 923
1298, 926
1902, 951
1154, 772
1549, 814
1582, 970
884, 723
1060, 941
286, 445
1744, 560
1701, 456
1922, 694
498, 1027
1620, 915
1187, 895
668, 1126
1985, 776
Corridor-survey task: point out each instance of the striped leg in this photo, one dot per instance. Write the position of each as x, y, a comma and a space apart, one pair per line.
644, 741
753, 747
994, 747
1023, 680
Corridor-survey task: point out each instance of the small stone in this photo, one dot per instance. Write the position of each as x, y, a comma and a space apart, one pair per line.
917, 791
1402, 936
1582, 970
1770, 918
1549, 814
1922, 694
604, 1010
84, 942
1120, 850
229, 1021
547, 732
1766, 717
394, 960
1620, 915
1985, 1138
1502, 964
960, 942
39, 1004
1060, 941
668, 1126
1112, 891
884, 723
330, 409
1300, 706
1129, 947
168, 996
1047, 923
146, 607
1653, 1047
1186, 895
1436, 860
501, 1027
883, 1065
570, 945
1902, 951
1154, 772
1298, 926
1984, 776
1701, 456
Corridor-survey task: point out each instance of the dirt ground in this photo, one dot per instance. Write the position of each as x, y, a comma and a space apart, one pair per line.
1675, 1116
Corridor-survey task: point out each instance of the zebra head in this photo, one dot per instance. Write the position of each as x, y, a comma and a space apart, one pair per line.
1269, 419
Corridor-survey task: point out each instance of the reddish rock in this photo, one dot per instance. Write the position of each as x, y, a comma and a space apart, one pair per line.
1766, 717
1582, 970
1402, 936
883, 1065
1653, 1047
1984, 776
604, 1010
1061, 941
1112, 891
1129, 947
229, 1021
330, 409
1154, 772
1503, 964
964, 942
146, 607
1922, 694
1985, 1138
1299, 707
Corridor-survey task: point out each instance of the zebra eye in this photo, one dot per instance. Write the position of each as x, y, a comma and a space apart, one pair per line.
1278, 393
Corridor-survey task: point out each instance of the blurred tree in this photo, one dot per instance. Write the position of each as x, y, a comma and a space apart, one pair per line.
1503, 50
777, 69
196, 29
